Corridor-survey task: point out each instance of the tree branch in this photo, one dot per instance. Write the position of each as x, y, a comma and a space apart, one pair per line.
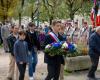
22, 4
49, 4
44, 3
75, 10
2, 3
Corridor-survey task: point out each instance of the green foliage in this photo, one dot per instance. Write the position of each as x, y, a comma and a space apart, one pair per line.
55, 51
59, 51
48, 9
86, 8
74, 54
73, 6
1, 45
6, 8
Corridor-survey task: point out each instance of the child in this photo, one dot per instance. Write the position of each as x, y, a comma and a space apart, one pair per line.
21, 54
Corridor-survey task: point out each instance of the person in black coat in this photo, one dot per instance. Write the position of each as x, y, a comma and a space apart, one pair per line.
1, 41
94, 52
53, 62
33, 46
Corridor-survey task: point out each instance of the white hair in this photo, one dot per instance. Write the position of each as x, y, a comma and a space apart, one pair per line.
97, 28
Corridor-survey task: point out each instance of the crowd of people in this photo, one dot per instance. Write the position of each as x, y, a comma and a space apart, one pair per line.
23, 44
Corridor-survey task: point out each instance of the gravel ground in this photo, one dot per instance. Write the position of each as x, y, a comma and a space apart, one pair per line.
41, 69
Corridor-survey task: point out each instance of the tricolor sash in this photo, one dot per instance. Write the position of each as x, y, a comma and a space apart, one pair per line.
54, 37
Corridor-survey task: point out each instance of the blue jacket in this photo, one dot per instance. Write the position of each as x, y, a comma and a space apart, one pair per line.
46, 30
94, 44
21, 51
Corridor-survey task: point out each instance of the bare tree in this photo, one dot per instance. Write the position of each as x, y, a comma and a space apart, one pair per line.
73, 6
51, 7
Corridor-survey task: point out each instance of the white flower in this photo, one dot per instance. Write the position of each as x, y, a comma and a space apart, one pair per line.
48, 46
64, 45
75, 46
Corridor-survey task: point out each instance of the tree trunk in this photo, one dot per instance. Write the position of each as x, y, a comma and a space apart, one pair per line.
38, 19
51, 18
19, 19
32, 19
5, 17
71, 16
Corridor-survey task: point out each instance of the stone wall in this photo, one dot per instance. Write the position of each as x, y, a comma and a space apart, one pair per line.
77, 63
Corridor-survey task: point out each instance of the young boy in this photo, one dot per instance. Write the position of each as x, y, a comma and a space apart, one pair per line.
21, 54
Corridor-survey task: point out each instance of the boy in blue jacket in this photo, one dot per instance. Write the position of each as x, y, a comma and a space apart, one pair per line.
21, 54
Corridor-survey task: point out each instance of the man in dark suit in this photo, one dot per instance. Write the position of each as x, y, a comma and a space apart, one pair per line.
94, 52
53, 62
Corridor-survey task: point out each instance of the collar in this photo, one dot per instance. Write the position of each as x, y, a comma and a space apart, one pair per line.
56, 34
31, 31
16, 36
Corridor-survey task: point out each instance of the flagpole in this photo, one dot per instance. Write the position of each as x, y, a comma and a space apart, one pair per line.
94, 14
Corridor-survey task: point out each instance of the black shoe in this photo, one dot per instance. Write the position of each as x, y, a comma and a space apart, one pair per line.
9, 78
6, 51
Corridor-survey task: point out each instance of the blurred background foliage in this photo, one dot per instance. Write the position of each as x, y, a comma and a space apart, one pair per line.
44, 9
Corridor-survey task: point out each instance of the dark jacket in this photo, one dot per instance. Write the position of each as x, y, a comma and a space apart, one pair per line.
94, 44
58, 59
21, 51
11, 40
1, 41
32, 40
62, 37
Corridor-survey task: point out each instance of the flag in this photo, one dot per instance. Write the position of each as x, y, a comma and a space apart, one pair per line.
95, 2
95, 19
98, 18
92, 17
